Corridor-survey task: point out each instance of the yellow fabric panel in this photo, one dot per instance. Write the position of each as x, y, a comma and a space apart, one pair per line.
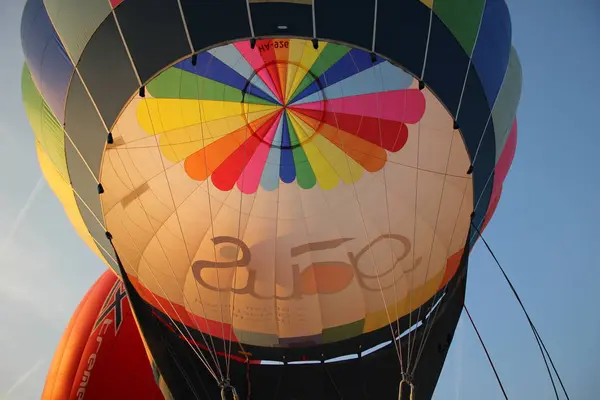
302, 56
48, 131
65, 195
190, 125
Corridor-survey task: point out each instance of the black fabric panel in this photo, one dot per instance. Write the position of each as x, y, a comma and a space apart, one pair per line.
179, 366
350, 21
90, 196
472, 118
298, 382
266, 17
214, 21
84, 127
402, 28
446, 66
438, 343
87, 196
154, 33
315, 352
359, 388
442, 332
277, 373
106, 69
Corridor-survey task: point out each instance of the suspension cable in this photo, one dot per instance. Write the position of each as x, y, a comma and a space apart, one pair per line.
432, 318
160, 244
201, 113
387, 207
486, 352
540, 342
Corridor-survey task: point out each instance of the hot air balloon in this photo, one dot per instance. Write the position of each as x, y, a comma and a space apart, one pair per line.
101, 354
286, 188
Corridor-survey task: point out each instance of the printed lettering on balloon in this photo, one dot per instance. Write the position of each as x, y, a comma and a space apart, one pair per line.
111, 313
323, 277
113, 303
87, 374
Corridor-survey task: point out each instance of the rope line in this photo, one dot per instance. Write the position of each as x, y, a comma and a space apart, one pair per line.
539, 341
486, 352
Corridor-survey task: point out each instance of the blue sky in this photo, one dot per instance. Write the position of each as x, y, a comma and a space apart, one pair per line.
544, 232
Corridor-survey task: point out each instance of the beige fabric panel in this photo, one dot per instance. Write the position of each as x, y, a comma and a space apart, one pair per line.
163, 223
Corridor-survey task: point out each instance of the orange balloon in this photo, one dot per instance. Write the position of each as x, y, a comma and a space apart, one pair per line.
101, 354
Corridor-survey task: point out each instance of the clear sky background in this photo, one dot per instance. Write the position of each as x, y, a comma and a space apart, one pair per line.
545, 231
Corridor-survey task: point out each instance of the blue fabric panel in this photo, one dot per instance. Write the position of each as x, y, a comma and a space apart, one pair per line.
472, 119
46, 57
492, 49
352, 63
211, 67
287, 169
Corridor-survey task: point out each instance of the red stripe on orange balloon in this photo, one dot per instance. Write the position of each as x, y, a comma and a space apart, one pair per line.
406, 106
370, 156
391, 135
201, 164
226, 174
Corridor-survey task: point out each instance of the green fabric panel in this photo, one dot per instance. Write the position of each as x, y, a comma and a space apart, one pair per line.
304, 174
256, 339
343, 331
175, 83
462, 17
329, 56
505, 108
46, 128
76, 21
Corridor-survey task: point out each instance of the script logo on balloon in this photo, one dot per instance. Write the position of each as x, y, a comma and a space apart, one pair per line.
322, 277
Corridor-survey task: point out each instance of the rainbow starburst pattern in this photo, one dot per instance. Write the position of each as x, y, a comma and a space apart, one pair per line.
281, 112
